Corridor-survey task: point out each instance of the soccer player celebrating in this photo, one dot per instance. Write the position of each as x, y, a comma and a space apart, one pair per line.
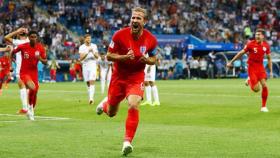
127, 50
150, 87
105, 71
88, 56
31, 53
21, 34
53, 66
257, 75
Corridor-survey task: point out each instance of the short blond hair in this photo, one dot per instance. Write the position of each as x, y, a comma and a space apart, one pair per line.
87, 35
139, 9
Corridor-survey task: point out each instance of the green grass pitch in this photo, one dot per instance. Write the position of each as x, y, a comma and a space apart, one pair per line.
198, 118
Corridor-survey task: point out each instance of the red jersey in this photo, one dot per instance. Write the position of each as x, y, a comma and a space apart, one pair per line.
256, 51
4, 64
29, 60
122, 42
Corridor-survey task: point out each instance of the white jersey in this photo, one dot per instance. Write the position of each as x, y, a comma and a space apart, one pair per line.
17, 42
90, 59
104, 64
151, 75
89, 63
104, 69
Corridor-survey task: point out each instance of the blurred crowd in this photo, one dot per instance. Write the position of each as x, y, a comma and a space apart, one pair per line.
211, 20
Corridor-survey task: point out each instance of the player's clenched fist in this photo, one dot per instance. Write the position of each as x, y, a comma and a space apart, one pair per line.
130, 54
143, 59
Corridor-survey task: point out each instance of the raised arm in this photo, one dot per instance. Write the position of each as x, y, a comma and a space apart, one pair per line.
9, 37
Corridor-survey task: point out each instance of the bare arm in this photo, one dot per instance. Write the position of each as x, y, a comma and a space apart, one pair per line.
83, 56
117, 57
269, 65
57, 65
8, 48
44, 61
149, 60
95, 55
9, 37
237, 56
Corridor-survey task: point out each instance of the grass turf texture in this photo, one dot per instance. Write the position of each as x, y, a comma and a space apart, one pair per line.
202, 118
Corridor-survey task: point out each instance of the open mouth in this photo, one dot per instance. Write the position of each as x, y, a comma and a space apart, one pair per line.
135, 26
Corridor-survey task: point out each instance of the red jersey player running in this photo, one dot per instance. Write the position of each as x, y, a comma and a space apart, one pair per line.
256, 50
31, 53
4, 65
127, 50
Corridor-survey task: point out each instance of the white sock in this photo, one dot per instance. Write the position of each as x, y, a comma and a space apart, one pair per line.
89, 93
155, 93
102, 86
148, 93
23, 98
91, 90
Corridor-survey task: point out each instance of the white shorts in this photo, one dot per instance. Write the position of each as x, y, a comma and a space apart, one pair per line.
103, 74
18, 64
89, 72
151, 76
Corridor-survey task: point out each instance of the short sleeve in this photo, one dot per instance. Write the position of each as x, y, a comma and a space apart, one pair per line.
95, 49
17, 49
267, 50
43, 53
15, 42
81, 50
246, 48
113, 46
153, 50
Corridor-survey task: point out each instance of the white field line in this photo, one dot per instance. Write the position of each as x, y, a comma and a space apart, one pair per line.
179, 94
173, 94
41, 118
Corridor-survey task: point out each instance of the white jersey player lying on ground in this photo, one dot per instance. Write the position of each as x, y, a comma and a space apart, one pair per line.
22, 38
88, 56
105, 68
150, 87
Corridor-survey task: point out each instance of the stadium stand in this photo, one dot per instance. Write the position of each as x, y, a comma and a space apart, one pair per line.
61, 23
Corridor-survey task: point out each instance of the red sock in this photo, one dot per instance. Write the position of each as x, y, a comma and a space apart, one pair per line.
131, 124
264, 96
32, 97
105, 107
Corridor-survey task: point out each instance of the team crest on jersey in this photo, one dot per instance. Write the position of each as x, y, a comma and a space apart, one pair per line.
264, 48
143, 49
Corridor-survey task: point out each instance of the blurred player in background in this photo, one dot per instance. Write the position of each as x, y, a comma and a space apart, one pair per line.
31, 53
150, 86
22, 38
4, 65
256, 49
72, 70
53, 67
127, 50
88, 56
105, 68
